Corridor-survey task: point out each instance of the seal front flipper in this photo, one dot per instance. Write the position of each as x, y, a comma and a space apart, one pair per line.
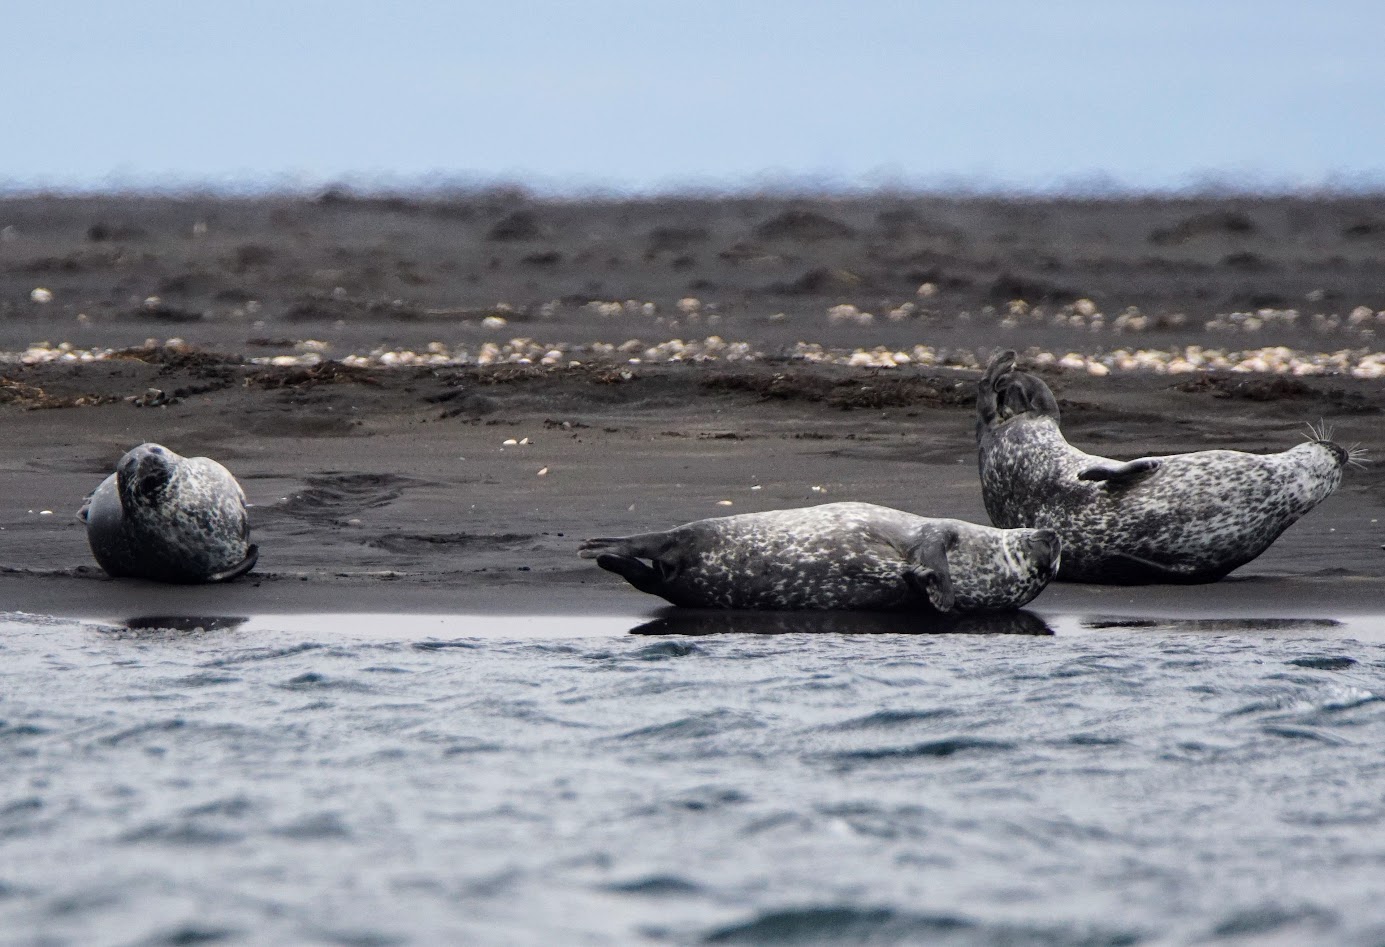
928, 572
1119, 476
239, 569
1127, 569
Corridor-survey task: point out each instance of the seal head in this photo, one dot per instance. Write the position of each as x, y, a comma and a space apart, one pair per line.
837, 556
169, 518
1177, 518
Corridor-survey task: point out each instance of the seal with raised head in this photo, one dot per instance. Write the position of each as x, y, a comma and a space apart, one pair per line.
835, 556
1179, 518
169, 518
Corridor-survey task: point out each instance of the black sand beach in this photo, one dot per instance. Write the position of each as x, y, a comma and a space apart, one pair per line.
360, 362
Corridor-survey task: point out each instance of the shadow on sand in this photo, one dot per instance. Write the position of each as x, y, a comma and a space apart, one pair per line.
678, 621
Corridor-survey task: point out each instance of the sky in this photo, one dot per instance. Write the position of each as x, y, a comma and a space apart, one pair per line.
654, 96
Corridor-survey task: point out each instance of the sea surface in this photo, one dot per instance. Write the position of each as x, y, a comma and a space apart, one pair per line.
374, 780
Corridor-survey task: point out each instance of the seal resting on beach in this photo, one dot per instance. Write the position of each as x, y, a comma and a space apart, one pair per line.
835, 556
1177, 518
169, 518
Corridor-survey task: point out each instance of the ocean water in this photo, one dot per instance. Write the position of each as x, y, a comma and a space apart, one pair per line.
372, 780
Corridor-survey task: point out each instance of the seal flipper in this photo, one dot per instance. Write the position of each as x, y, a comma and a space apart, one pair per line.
1119, 476
987, 404
928, 572
1127, 569
1004, 392
651, 579
639, 546
239, 569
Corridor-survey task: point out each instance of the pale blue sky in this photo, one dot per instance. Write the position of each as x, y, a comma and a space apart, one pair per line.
650, 95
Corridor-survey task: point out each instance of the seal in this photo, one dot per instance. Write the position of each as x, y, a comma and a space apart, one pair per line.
1179, 518
169, 518
835, 556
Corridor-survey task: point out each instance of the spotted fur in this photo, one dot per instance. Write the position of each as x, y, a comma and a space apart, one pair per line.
1175, 518
169, 518
835, 556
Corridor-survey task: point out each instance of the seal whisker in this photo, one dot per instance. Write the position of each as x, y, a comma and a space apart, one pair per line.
1321, 432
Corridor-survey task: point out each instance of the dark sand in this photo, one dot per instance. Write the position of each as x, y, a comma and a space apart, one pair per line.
389, 489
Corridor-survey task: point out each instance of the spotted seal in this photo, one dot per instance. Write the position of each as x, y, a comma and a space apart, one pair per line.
169, 518
835, 556
1181, 518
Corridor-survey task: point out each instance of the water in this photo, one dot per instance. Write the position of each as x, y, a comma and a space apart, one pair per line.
380, 780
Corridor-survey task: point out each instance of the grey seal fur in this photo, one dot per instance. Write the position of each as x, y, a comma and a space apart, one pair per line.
835, 556
1178, 518
169, 518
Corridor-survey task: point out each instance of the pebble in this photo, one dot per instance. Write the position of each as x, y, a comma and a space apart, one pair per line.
1360, 362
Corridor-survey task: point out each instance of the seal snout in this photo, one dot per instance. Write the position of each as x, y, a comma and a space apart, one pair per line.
1339, 453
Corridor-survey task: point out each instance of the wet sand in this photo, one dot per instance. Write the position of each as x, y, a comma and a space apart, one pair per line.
390, 488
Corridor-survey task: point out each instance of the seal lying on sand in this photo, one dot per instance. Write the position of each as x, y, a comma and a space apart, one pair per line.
835, 556
1178, 518
169, 518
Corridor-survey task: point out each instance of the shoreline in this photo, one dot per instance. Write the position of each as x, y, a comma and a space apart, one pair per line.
391, 383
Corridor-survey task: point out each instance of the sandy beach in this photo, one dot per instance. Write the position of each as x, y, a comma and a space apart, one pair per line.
431, 399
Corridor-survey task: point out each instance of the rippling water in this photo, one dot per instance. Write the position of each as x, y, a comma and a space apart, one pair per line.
327, 780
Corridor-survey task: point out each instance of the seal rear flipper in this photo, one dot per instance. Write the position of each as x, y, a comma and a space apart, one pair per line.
640, 546
1119, 476
646, 578
1004, 392
987, 404
239, 569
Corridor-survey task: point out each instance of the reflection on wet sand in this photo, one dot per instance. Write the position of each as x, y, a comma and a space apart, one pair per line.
1213, 625
185, 622
677, 621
